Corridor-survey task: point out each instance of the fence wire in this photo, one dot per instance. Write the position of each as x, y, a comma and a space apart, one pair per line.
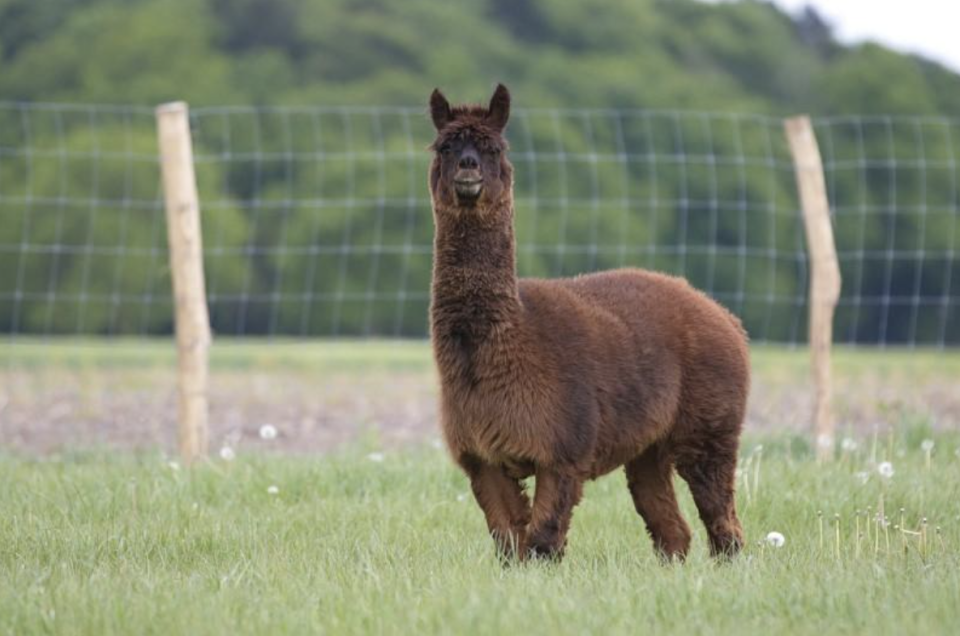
317, 221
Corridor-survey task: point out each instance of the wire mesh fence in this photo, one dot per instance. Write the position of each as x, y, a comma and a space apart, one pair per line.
317, 221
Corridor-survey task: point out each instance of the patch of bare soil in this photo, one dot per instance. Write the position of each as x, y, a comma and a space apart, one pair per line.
52, 411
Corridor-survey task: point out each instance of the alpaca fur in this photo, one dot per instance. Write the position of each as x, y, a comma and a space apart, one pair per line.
568, 379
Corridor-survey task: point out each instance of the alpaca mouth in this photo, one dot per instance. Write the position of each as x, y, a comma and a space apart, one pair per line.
469, 188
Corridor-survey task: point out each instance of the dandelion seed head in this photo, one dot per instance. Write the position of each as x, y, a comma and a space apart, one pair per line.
273, 490
848, 444
862, 476
461, 497
824, 440
268, 431
926, 445
375, 457
775, 539
885, 469
174, 466
227, 454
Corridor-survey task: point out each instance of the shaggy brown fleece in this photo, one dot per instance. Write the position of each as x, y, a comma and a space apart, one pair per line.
568, 379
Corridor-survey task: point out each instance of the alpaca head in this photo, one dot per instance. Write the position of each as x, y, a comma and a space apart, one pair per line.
470, 168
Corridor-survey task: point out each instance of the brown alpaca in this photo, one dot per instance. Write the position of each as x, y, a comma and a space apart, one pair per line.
568, 379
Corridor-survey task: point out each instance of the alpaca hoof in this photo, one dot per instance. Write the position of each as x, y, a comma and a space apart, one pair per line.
726, 548
545, 552
670, 558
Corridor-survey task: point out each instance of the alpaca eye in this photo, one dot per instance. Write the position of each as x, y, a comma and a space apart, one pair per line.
446, 150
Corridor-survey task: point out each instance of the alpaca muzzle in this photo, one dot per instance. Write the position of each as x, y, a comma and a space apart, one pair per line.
468, 184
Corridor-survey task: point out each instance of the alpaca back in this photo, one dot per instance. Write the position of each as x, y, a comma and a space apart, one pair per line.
647, 348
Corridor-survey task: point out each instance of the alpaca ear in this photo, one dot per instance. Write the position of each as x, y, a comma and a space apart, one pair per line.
440, 110
499, 110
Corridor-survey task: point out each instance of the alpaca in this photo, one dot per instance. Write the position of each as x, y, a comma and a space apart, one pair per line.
568, 379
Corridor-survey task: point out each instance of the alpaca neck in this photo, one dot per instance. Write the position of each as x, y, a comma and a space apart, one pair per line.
475, 289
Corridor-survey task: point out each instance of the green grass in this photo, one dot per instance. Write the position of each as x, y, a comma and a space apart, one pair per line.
225, 353
361, 355
96, 543
112, 544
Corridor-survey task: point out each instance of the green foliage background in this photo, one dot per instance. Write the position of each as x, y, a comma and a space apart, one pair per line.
627, 172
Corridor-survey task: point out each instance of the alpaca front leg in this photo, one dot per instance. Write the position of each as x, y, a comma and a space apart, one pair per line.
553, 504
504, 504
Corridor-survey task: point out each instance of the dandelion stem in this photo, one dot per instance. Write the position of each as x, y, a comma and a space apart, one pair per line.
820, 521
836, 520
756, 473
903, 536
923, 539
856, 551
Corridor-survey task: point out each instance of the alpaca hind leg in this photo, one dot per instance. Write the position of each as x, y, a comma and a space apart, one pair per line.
553, 504
708, 464
504, 503
650, 479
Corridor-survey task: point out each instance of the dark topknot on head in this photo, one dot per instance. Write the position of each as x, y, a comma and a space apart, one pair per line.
493, 117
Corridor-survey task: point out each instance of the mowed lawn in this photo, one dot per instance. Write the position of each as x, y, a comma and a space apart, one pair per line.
366, 540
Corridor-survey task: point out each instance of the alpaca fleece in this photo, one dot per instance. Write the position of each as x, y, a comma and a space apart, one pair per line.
569, 379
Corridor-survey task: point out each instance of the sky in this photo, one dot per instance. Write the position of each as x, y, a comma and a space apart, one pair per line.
926, 27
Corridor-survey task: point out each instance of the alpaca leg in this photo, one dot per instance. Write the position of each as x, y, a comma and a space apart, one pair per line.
504, 504
709, 468
650, 479
553, 504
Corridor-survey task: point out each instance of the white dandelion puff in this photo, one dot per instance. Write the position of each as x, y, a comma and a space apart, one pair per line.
862, 476
848, 445
885, 469
825, 440
462, 497
268, 431
926, 445
775, 539
375, 457
174, 466
273, 490
227, 454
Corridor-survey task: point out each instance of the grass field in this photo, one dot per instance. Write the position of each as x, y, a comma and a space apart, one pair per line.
96, 544
372, 538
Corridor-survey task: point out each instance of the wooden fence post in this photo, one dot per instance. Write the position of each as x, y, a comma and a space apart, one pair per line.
824, 273
189, 289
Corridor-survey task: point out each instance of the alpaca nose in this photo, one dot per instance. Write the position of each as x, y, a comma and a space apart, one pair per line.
469, 161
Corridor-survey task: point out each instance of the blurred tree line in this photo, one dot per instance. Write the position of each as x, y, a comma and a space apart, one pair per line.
317, 220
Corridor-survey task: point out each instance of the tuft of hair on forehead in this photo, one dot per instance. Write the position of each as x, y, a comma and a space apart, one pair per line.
472, 128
